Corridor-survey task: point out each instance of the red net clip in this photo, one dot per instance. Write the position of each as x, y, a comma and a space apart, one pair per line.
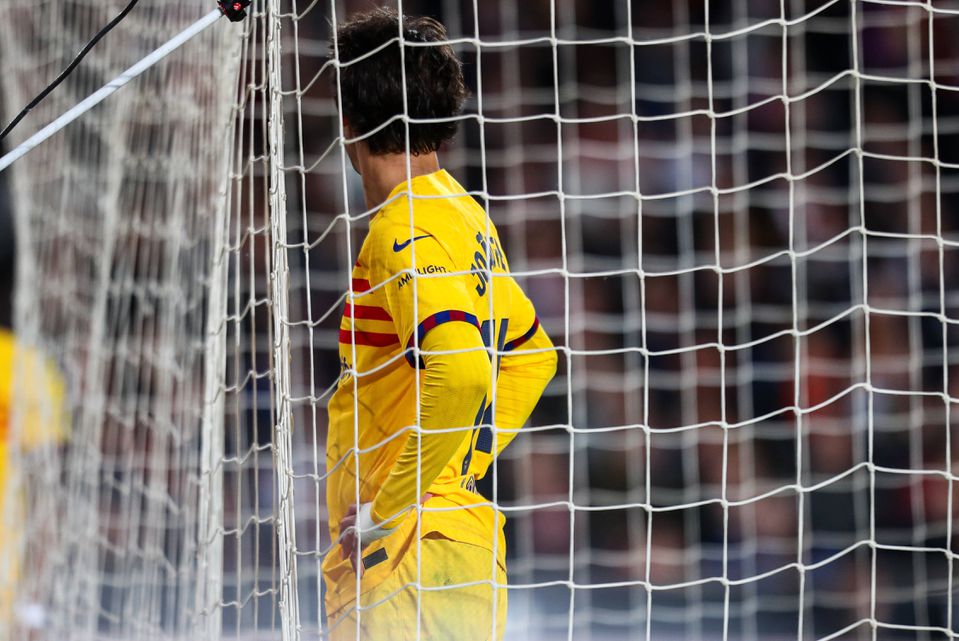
234, 10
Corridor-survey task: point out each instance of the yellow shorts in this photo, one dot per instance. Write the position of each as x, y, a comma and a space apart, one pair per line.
455, 613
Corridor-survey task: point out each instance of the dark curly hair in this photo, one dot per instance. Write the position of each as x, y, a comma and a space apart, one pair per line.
371, 89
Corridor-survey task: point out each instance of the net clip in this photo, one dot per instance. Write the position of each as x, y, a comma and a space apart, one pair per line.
234, 10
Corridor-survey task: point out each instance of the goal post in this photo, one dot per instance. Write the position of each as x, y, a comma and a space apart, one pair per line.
120, 272
736, 221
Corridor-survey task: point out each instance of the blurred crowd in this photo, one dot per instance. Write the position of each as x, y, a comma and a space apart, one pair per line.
751, 433
758, 324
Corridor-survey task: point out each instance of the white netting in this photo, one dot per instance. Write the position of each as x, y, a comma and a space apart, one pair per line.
745, 254
736, 220
115, 219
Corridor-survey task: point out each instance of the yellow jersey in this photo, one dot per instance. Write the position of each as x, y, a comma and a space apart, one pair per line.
40, 397
462, 275
41, 393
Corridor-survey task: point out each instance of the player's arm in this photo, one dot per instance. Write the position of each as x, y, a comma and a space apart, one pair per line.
455, 372
452, 389
525, 370
526, 366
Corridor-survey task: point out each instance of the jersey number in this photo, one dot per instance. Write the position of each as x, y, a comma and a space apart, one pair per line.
484, 417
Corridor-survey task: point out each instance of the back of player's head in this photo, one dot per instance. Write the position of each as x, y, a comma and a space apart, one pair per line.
371, 84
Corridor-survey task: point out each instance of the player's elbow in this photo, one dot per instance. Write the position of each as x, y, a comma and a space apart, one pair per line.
552, 363
549, 357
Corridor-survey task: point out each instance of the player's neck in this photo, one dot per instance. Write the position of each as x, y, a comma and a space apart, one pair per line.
382, 173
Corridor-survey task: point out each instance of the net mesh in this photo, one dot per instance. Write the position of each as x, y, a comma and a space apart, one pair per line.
115, 220
735, 220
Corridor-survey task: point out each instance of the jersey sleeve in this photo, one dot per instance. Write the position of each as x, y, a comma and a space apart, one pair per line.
523, 322
524, 373
422, 297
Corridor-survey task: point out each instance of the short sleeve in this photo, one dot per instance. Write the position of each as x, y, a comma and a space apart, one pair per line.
419, 299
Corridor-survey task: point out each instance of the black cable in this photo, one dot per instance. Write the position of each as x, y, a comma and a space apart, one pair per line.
66, 72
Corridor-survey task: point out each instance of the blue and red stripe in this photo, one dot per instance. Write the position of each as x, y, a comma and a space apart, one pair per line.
434, 320
516, 342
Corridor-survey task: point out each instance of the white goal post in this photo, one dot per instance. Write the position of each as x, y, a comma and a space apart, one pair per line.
118, 218
737, 221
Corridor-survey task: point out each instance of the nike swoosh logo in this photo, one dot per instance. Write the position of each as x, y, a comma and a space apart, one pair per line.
398, 247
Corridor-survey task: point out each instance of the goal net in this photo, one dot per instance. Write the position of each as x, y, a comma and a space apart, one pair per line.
106, 516
737, 223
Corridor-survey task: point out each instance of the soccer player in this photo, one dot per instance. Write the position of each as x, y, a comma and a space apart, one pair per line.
435, 327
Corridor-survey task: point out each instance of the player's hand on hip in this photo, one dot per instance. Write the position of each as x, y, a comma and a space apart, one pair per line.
348, 545
356, 536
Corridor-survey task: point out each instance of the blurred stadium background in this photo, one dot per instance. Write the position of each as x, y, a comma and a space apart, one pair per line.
815, 239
